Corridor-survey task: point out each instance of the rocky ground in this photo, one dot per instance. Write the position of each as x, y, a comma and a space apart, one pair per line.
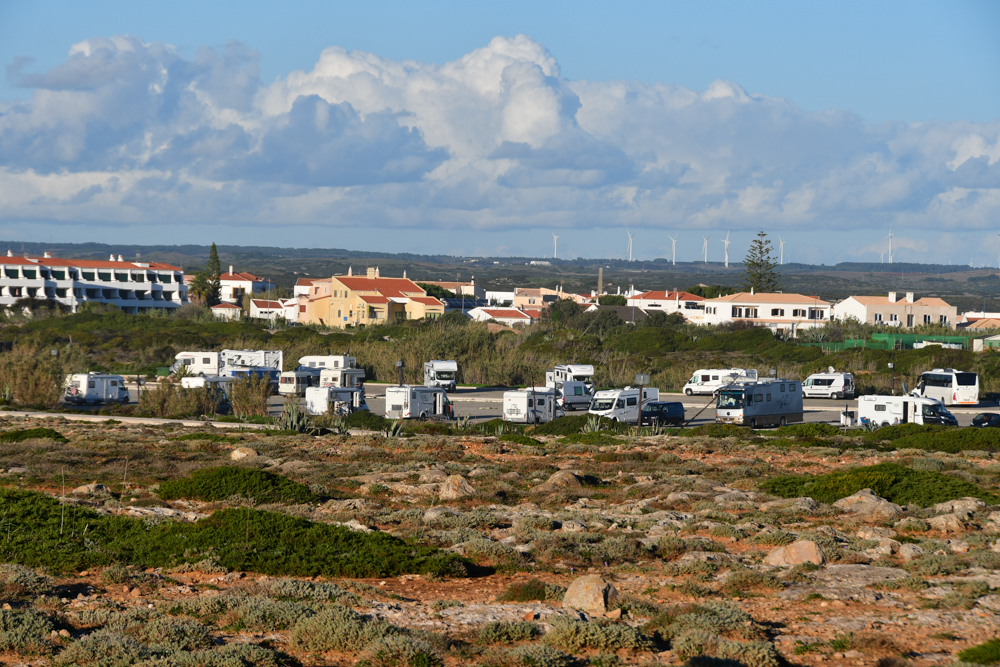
592, 549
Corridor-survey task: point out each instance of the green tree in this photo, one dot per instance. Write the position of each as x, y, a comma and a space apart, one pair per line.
200, 288
759, 267
612, 300
436, 291
212, 273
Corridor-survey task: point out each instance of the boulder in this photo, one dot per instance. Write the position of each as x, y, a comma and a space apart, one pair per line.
564, 479
434, 513
91, 489
791, 505
961, 506
947, 523
875, 533
866, 506
591, 594
479, 472
241, 453
796, 553
432, 476
910, 551
454, 487
573, 526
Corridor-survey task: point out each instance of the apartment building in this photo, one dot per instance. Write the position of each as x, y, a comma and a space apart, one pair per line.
135, 287
352, 300
891, 311
784, 314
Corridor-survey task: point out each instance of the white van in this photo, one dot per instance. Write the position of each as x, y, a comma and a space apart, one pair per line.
441, 374
571, 372
949, 386
413, 402
295, 383
94, 388
572, 395
534, 405
881, 411
339, 401
829, 385
622, 405
707, 381
767, 402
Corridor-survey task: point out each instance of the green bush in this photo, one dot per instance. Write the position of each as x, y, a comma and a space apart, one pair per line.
104, 649
987, 653
507, 632
805, 430
32, 434
718, 431
366, 420
24, 631
594, 439
21, 583
526, 591
892, 481
210, 437
573, 424
533, 655
339, 629
402, 651
575, 636
211, 484
520, 439
950, 440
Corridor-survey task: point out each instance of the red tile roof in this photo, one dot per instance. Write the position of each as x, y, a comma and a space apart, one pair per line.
305, 282
226, 306
86, 263
242, 277
769, 297
670, 296
373, 298
264, 303
391, 287
533, 314
426, 300
505, 313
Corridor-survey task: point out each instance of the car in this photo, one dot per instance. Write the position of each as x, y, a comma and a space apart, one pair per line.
986, 420
661, 413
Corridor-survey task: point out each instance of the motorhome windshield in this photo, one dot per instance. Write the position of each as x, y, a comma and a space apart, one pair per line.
966, 379
446, 375
581, 378
730, 399
602, 404
934, 411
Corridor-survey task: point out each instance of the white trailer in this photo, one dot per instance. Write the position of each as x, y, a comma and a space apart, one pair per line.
829, 385
196, 363
707, 381
350, 378
534, 405
295, 383
219, 384
881, 411
327, 361
622, 405
415, 402
442, 374
571, 372
767, 402
94, 388
222, 363
334, 400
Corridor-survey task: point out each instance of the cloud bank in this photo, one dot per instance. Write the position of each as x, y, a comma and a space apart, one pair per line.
130, 132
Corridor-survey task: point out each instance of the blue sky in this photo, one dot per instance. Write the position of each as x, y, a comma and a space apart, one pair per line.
486, 127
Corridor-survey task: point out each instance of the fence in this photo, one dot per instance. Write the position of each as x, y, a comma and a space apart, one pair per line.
889, 341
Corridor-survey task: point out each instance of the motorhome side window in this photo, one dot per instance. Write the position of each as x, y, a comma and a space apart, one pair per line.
621, 403
782, 387
541, 402
879, 408
206, 360
630, 401
531, 403
769, 397
91, 385
114, 383
758, 397
715, 377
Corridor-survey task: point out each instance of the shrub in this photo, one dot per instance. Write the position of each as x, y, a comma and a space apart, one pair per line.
18, 582
229, 655
171, 634
532, 589
367, 421
533, 655
987, 653
740, 581
575, 636
104, 649
210, 437
339, 629
220, 483
33, 376
248, 396
806, 430
508, 632
520, 439
402, 651
24, 631
32, 434
890, 480
296, 589
719, 431
169, 400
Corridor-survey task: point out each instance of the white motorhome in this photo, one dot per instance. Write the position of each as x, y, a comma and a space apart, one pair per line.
707, 381
949, 386
223, 363
881, 411
441, 374
829, 385
622, 405
767, 402
571, 373
414, 402
219, 384
295, 383
335, 400
572, 395
534, 405
327, 361
348, 378
94, 388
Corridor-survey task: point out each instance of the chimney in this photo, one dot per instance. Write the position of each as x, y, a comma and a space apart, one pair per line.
112, 258
909, 297
892, 297
350, 271
46, 255
376, 272
120, 258
10, 253
600, 280
751, 290
230, 268
404, 274
370, 273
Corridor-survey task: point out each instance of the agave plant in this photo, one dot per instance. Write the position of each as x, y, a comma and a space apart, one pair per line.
393, 430
294, 419
593, 424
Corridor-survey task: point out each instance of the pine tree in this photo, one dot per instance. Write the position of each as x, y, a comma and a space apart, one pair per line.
213, 271
759, 272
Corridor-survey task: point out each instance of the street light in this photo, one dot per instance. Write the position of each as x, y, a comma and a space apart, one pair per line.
640, 379
400, 365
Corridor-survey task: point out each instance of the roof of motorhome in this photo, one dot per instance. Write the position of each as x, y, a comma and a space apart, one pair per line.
770, 297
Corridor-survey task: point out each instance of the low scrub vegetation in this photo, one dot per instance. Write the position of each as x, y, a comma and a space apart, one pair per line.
32, 434
221, 483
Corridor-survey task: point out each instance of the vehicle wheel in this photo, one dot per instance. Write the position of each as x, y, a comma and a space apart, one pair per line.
614, 420
884, 424
688, 392
423, 415
753, 424
125, 401
782, 422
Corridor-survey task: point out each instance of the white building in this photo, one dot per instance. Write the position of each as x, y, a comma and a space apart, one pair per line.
303, 286
691, 306
266, 310
235, 285
893, 312
134, 287
782, 313
226, 311
507, 316
500, 298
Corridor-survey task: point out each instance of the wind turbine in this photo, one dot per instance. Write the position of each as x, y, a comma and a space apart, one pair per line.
781, 250
726, 242
673, 250
704, 247
881, 257
630, 235
555, 246
889, 236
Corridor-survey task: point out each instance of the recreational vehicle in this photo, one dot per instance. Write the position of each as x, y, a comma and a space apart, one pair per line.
572, 395
94, 388
414, 402
222, 363
707, 381
949, 386
890, 410
347, 378
534, 405
334, 400
769, 402
829, 385
217, 384
571, 372
441, 374
255, 371
622, 405
327, 361
295, 383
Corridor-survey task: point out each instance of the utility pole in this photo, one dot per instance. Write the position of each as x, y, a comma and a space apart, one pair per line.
400, 365
640, 379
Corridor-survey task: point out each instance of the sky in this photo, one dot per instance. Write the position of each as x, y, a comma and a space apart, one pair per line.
487, 128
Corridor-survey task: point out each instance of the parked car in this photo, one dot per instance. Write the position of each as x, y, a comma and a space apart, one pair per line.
661, 413
986, 420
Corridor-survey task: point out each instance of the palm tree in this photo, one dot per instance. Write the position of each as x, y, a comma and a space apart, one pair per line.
200, 289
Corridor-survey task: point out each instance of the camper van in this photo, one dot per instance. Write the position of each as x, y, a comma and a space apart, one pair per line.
572, 395
707, 381
94, 388
346, 378
255, 371
295, 383
413, 402
221, 363
881, 411
336, 400
769, 402
534, 405
441, 374
218, 384
949, 386
326, 361
571, 372
622, 405
829, 385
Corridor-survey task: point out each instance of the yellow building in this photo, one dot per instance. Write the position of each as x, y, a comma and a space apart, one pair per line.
369, 300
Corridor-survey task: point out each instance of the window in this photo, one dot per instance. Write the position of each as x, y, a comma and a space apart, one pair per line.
816, 314
758, 397
541, 402
59, 275
909, 320
531, 403
893, 317
29, 273
878, 317
91, 384
879, 408
943, 319
205, 360
927, 319
782, 387
621, 404
768, 397
798, 312
777, 312
113, 383
630, 401
714, 378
